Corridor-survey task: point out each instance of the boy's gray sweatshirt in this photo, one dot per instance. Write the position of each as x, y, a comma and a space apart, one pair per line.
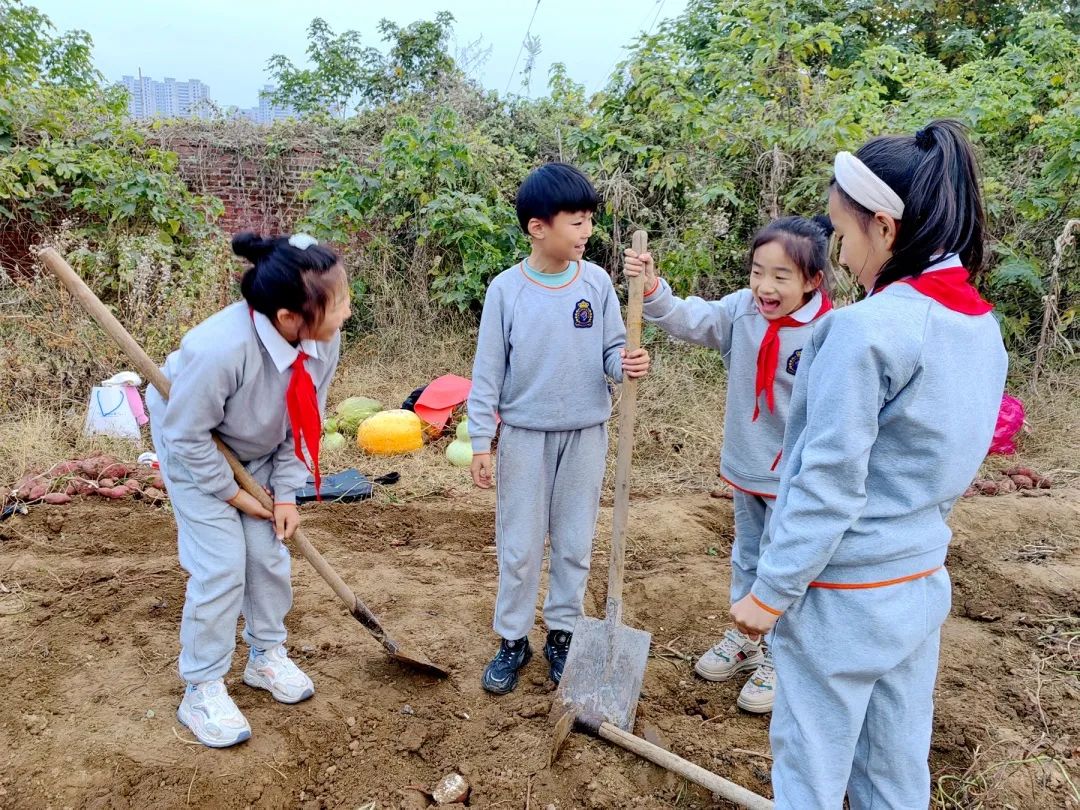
891, 417
750, 457
229, 376
544, 355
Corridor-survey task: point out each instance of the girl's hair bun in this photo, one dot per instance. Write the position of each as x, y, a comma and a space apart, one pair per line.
823, 222
249, 245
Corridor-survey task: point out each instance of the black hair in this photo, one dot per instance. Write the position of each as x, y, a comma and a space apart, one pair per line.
805, 241
283, 276
936, 174
551, 189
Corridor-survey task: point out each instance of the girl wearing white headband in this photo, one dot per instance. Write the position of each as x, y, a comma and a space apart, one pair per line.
893, 411
256, 374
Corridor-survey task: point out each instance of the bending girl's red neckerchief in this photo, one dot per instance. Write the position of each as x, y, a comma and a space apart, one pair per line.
769, 353
950, 288
303, 406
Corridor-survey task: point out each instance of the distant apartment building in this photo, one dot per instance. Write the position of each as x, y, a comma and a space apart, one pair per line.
170, 98
267, 112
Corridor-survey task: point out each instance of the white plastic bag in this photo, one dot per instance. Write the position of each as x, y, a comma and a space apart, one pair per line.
115, 408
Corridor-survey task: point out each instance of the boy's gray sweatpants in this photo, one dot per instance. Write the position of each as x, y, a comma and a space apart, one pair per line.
752, 514
236, 566
857, 706
548, 485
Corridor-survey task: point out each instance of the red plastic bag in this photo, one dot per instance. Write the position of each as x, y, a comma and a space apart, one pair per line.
1009, 423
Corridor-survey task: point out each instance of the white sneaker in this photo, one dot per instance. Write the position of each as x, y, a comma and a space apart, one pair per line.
734, 653
208, 711
272, 670
758, 693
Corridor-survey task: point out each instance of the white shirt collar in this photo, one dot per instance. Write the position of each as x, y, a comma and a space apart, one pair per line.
808, 311
281, 351
945, 262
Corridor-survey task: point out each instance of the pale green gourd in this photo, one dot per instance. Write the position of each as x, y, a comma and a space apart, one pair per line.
459, 453
333, 441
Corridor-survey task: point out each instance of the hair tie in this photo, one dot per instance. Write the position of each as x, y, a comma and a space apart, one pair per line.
301, 241
924, 139
865, 187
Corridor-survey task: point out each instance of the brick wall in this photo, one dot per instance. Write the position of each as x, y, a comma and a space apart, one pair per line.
258, 175
259, 193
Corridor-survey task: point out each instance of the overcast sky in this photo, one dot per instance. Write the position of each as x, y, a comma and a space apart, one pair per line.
226, 43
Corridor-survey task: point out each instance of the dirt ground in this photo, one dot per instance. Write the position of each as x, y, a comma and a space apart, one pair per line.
90, 600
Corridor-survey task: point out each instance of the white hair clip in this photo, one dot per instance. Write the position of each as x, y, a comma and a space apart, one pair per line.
301, 241
865, 187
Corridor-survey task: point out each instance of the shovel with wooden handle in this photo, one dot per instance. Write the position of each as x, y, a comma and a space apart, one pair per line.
606, 663
149, 370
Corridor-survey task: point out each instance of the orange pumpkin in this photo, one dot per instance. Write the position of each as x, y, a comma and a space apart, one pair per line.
389, 433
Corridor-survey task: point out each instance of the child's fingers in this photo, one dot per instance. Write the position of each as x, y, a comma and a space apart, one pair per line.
292, 520
481, 471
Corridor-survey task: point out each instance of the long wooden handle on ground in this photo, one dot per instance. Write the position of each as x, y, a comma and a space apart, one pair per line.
627, 411
598, 727
676, 764
149, 370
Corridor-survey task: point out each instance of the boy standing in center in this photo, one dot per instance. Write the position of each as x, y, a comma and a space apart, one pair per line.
551, 336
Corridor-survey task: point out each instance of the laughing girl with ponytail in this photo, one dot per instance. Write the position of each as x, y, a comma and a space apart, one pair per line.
892, 413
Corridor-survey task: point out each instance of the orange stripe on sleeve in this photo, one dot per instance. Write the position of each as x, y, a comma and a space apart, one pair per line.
765, 607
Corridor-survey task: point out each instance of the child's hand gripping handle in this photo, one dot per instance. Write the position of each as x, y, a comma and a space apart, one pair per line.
627, 411
150, 372
635, 297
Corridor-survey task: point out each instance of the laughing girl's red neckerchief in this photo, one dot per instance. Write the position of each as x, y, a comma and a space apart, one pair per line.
950, 288
769, 353
303, 406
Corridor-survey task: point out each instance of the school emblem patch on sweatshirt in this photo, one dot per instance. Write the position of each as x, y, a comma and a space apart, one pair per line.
793, 361
583, 315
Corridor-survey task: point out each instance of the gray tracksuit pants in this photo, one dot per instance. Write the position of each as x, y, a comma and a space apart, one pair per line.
236, 566
752, 513
548, 485
858, 668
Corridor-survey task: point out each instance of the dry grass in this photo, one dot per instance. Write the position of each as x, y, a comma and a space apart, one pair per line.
677, 438
31, 440
38, 437
1007, 776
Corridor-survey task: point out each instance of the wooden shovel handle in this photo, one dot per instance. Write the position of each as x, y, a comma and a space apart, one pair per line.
721, 787
627, 411
150, 371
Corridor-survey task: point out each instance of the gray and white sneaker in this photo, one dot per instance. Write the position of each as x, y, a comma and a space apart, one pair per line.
210, 714
274, 671
759, 692
734, 653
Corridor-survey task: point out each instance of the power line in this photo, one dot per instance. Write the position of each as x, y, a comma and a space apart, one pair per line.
640, 27
657, 17
524, 39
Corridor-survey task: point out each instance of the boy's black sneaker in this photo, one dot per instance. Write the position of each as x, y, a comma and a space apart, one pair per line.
501, 675
556, 650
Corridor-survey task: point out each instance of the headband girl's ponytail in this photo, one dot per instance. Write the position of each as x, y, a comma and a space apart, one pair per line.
929, 183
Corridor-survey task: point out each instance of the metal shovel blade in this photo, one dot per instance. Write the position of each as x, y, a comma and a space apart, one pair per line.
411, 658
604, 670
418, 661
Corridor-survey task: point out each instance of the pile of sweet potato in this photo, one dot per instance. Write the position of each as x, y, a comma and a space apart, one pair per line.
1015, 479
100, 475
